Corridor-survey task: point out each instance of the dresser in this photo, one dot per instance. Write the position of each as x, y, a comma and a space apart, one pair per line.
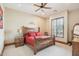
75, 47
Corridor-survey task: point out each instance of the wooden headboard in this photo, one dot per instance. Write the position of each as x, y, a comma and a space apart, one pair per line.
26, 29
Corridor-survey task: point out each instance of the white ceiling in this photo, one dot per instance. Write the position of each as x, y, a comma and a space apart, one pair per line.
30, 8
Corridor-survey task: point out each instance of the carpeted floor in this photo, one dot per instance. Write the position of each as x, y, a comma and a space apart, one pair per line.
56, 50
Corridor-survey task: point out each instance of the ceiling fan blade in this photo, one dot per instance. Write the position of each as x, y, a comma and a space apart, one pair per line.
47, 7
37, 9
36, 5
44, 4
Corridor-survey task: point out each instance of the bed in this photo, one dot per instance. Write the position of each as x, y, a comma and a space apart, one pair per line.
36, 40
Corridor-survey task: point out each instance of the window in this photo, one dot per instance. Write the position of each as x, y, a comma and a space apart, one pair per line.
58, 27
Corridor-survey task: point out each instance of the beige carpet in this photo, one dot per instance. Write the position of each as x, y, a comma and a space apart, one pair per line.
57, 50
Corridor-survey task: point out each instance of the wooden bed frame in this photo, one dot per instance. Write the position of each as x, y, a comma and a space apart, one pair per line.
47, 41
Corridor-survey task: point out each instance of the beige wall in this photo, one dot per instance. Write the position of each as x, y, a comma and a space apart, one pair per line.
61, 14
73, 19
15, 19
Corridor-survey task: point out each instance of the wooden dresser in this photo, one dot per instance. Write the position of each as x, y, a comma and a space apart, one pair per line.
75, 47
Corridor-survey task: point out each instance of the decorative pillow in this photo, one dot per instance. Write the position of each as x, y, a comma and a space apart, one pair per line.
38, 34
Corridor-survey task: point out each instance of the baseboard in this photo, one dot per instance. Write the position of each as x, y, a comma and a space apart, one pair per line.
60, 42
9, 44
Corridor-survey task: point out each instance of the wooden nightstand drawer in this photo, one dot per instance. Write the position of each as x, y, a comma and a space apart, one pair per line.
75, 48
19, 41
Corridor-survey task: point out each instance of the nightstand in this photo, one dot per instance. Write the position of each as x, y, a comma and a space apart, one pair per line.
19, 41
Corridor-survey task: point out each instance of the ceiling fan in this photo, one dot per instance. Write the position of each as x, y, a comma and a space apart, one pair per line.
42, 6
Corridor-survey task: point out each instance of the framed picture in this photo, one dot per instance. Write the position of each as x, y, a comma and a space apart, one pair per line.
58, 27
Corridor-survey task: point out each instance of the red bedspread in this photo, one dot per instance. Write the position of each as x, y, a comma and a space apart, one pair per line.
31, 37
